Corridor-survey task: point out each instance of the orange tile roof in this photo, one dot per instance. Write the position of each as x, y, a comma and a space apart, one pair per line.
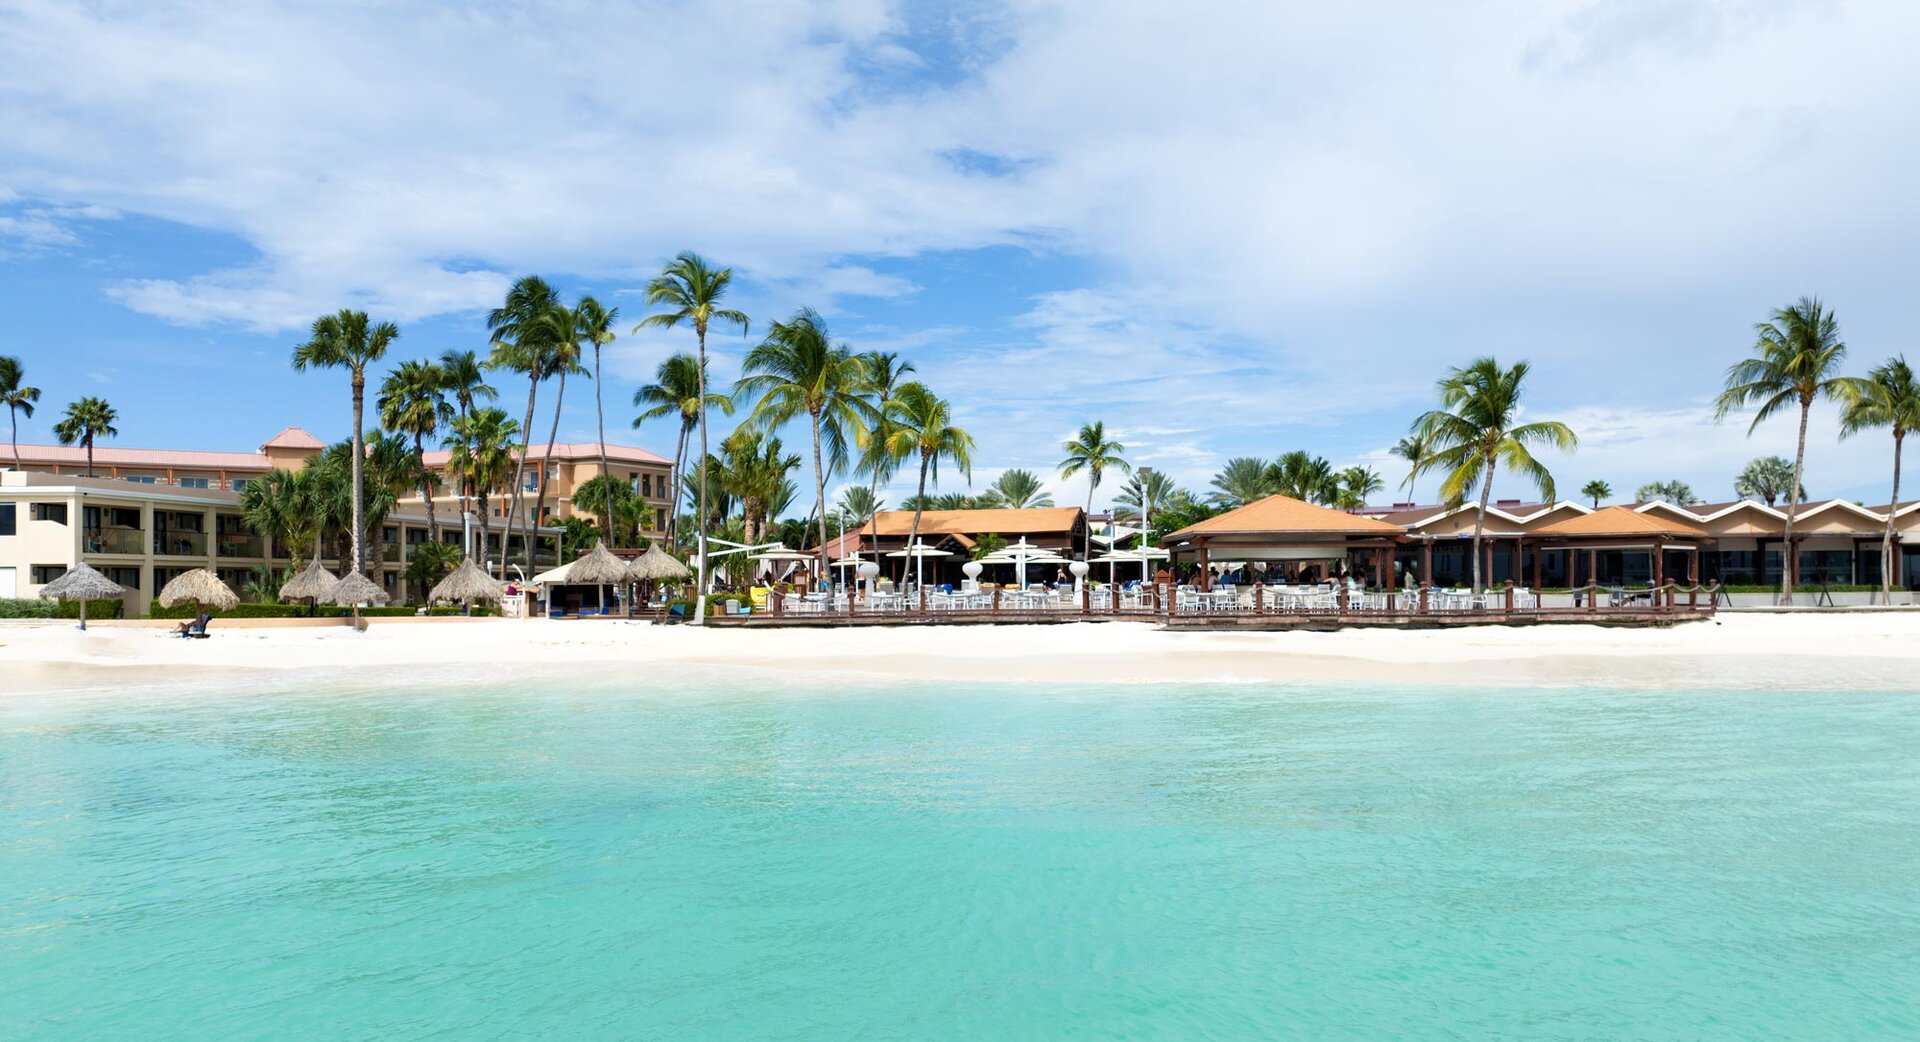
1284, 515
978, 522
1616, 522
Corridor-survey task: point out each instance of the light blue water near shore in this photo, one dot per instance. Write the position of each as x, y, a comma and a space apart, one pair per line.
1200, 863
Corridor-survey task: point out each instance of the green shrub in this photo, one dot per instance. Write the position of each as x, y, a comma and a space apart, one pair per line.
29, 608
301, 611
112, 609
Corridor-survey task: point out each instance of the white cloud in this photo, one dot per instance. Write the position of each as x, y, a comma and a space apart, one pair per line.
1289, 216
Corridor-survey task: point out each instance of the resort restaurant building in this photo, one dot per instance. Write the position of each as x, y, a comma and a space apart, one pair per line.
960, 533
1739, 543
149, 514
1280, 539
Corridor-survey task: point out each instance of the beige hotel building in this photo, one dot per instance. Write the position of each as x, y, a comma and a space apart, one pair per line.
147, 515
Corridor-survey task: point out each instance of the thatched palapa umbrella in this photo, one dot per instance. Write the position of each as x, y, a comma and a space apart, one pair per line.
313, 583
354, 589
203, 588
83, 584
599, 568
654, 565
467, 584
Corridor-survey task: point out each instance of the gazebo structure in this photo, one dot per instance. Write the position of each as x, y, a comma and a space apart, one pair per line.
1284, 529
1620, 529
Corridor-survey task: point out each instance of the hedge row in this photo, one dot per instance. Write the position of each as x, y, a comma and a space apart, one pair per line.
36, 608
301, 611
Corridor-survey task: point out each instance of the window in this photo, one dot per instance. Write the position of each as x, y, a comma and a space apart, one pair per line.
241, 484
1826, 566
46, 573
141, 479
660, 520
54, 512
194, 483
128, 577
6, 519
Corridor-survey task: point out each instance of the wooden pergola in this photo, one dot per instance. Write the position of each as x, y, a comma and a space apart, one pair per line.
1624, 529
1281, 528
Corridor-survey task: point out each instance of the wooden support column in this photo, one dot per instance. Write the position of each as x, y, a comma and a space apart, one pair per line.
1206, 567
1539, 569
1426, 567
1259, 598
1593, 567
1659, 569
1509, 596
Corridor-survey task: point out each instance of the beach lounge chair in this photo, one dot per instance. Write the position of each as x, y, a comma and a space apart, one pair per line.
197, 629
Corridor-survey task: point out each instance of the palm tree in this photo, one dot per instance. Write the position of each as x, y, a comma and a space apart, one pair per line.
1303, 476
464, 377
676, 391
1018, 490
523, 329
1157, 491
1677, 492
1767, 478
413, 401
1243, 480
798, 370
562, 336
1889, 397
17, 397
85, 420
923, 426
347, 340
1474, 434
279, 506
1796, 359
1354, 486
858, 504
1092, 451
1596, 490
885, 371
1413, 449
690, 290
755, 473
389, 468
480, 452
594, 324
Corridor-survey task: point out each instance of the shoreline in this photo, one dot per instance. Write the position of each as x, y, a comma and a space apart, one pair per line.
1769, 651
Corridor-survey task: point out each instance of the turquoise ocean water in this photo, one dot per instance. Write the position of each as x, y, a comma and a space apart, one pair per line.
986, 863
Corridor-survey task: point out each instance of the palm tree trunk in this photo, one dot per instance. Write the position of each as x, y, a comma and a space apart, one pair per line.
1479, 523
675, 483
359, 451
913, 534
426, 491
89, 441
519, 472
13, 414
546, 468
1886, 539
1792, 562
700, 383
600, 417
820, 498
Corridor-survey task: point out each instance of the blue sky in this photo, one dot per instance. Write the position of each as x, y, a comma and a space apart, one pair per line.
1268, 228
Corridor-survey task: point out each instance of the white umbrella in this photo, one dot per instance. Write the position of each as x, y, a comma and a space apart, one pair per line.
1116, 558
920, 552
1021, 554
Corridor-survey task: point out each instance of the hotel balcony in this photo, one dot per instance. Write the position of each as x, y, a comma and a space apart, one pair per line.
390, 552
115, 541
240, 544
180, 544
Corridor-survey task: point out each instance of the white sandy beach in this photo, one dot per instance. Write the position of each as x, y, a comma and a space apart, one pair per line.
1878, 650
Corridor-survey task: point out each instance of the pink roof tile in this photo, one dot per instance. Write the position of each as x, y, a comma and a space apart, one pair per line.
294, 438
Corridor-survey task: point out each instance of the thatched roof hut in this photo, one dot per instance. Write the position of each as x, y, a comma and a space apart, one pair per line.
467, 583
656, 564
354, 588
202, 587
311, 584
81, 583
598, 568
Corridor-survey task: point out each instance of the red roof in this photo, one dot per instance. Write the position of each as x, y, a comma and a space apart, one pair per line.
572, 452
